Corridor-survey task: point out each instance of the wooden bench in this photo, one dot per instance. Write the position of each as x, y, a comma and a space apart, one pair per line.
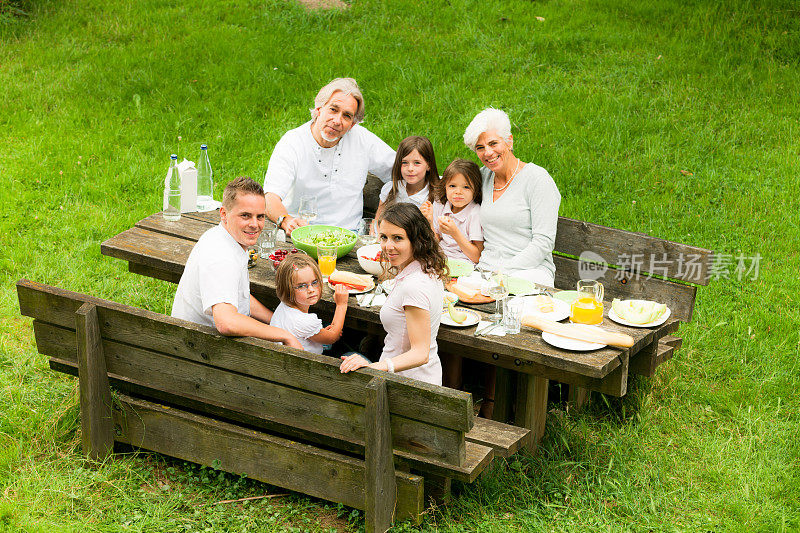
631, 266
371, 440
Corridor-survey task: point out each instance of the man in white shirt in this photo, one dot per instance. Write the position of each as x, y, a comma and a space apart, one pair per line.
328, 157
215, 287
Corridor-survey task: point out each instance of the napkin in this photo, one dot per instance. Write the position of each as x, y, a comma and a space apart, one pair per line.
378, 301
498, 331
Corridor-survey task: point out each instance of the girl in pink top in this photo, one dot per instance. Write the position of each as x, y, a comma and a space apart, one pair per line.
413, 309
455, 215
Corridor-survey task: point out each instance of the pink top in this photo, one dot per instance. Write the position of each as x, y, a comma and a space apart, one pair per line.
468, 220
413, 288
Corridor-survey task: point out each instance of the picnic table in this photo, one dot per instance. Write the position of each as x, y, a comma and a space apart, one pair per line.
525, 363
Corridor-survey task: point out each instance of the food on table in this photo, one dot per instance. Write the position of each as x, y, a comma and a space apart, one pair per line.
449, 298
376, 258
579, 332
455, 314
252, 257
280, 254
469, 283
352, 280
331, 237
544, 303
638, 311
462, 292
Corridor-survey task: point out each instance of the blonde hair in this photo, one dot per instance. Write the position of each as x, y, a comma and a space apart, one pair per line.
284, 277
241, 185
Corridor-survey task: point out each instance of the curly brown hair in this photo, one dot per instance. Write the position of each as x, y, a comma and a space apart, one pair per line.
424, 245
284, 277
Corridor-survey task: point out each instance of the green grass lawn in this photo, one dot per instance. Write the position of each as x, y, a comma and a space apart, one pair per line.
614, 98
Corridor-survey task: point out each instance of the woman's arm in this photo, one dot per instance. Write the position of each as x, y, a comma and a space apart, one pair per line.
418, 322
543, 198
332, 333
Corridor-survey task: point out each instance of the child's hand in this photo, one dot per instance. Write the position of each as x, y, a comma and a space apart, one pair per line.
427, 210
340, 294
448, 226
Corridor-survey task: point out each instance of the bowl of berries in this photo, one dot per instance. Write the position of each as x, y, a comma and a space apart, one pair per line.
279, 254
369, 257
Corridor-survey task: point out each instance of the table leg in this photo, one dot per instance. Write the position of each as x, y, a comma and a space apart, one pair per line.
503, 394
531, 406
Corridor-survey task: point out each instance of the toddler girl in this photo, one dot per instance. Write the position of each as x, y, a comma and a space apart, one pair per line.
414, 175
455, 214
299, 286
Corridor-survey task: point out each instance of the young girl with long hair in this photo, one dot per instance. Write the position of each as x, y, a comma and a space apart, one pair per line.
413, 309
414, 174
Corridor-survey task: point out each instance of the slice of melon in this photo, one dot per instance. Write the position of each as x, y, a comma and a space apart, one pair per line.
455, 314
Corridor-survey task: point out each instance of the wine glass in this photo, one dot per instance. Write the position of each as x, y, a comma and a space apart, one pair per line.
366, 231
308, 208
498, 289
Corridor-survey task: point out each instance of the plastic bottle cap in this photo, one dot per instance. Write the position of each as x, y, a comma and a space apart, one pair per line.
173, 156
203, 147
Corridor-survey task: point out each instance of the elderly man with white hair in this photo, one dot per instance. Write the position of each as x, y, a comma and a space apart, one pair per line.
519, 211
328, 157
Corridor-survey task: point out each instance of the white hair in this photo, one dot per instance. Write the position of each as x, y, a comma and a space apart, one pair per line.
488, 119
345, 85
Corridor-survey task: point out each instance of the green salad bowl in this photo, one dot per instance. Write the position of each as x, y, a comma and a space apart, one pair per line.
304, 239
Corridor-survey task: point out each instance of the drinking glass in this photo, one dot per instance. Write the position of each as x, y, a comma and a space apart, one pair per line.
367, 231
326, 257
308, 208
266, 241
498, 289
512, 315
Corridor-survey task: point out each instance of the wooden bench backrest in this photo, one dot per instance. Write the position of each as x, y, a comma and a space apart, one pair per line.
630, 265
250, 380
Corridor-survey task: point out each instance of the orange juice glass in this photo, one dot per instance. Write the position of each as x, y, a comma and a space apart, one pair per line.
326, 257
588, 306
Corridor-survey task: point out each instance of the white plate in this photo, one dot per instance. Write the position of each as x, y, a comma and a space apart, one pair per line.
657, 322
571, 344
560, 309
472, 318
354, 291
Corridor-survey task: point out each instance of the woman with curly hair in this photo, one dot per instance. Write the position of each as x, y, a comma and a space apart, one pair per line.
413, 310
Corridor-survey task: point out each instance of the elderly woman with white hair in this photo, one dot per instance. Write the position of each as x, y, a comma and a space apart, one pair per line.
519, 211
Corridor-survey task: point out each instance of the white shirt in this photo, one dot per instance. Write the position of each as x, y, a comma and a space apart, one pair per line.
468, 220
336, 176
417, 198
413, 288
301, 325
216, 272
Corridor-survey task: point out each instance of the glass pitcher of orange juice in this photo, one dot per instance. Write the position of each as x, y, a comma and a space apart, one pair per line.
588, 306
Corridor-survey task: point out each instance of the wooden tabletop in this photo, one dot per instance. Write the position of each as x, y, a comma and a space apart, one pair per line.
157, 248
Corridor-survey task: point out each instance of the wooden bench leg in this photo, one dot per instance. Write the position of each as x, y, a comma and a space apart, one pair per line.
97, 426
380, 486
531, 406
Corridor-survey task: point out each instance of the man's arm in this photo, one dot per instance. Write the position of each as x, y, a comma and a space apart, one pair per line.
276, 209
260, 311
230, 322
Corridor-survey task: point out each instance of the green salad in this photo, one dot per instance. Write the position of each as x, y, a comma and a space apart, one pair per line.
331, 237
